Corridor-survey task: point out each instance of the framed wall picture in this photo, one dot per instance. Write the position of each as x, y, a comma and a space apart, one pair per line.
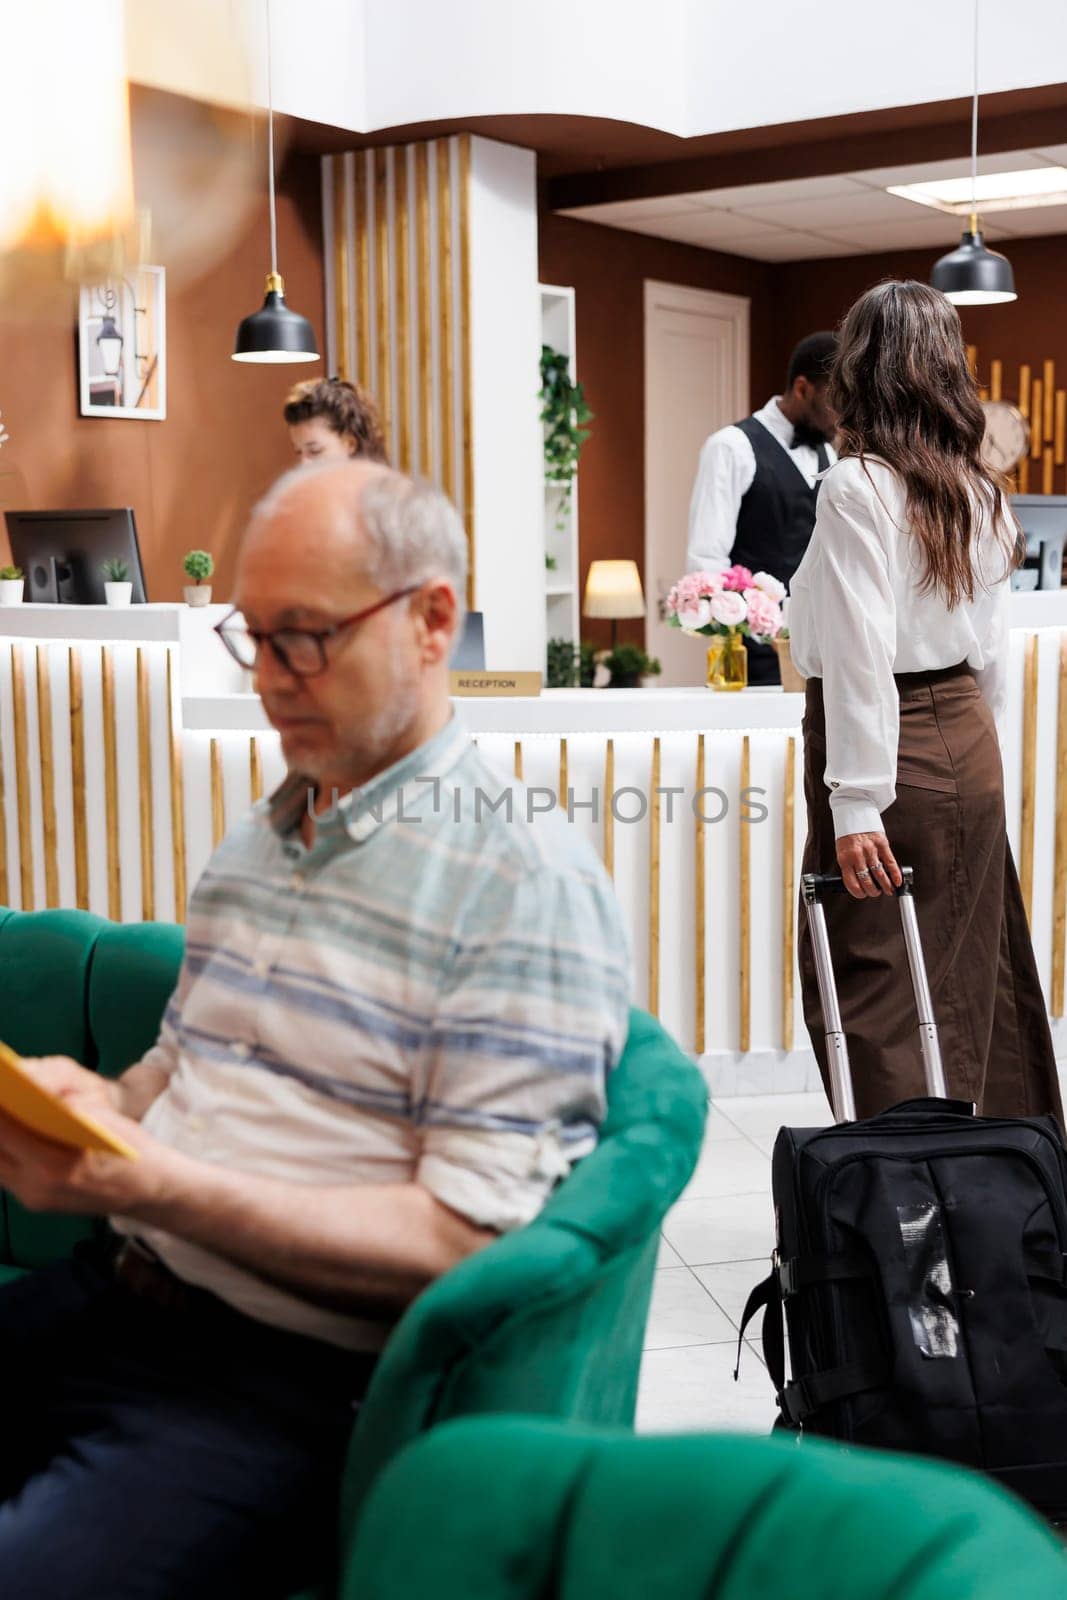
122, 346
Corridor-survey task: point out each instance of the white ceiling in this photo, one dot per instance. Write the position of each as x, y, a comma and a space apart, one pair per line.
807, 219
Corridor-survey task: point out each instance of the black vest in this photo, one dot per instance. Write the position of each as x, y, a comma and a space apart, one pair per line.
778, 512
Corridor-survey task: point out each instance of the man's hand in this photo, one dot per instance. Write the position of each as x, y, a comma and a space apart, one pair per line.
130, 1095
51, 1177
867, 864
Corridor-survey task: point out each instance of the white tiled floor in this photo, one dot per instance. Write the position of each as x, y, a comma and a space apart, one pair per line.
716, 1245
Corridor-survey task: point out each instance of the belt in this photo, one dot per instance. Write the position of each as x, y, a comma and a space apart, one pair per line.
147, 1278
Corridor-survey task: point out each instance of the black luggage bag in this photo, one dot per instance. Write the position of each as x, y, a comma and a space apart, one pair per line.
920, 1263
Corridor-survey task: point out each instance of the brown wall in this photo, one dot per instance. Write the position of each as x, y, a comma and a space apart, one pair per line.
192, 478
816, 294
607, 269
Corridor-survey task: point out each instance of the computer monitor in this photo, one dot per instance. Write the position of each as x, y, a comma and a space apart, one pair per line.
1043, 519
62, 552
469, 652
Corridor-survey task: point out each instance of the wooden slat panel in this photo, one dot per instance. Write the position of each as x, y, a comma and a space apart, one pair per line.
46, 756
365, 365
788, 891
446, 375
425, 306
1026, 832
609, 812
1036, 416
972, 359
653, 882
700, 976
1060, 441
563, 774
1048, 469
342, 269
518, 759
402, 239
77, 779
745, 915
177, 793
218, 796
466, 313
1049, 409
1059, 871
1024, 389
111, 786
996, 379
383, 319
144, 791
255, 770
22, 779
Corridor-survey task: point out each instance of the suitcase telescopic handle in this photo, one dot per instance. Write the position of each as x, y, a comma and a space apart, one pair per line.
815, 886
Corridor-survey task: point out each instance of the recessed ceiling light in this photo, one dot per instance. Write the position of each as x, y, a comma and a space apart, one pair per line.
994, 191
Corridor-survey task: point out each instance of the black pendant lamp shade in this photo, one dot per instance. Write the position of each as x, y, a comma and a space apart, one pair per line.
973, 275
274, 333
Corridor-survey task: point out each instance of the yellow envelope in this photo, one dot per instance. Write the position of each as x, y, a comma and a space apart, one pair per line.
25, 1100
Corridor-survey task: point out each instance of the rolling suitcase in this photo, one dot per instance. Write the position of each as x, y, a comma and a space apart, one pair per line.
920, 1265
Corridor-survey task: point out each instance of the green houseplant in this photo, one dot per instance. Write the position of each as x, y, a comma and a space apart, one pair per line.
564, 414
11, 584
628, 664
561, 664
118, 586
198, 565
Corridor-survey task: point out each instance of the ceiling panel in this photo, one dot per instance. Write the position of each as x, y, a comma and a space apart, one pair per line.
939, 232
787, 245
772, 193
714, 228
1028, 224
833, 212
929, 171
627, 213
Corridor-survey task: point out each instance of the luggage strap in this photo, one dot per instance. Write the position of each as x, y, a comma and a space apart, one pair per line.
787, 1278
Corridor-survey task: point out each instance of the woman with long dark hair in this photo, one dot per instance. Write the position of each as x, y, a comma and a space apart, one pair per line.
898, 618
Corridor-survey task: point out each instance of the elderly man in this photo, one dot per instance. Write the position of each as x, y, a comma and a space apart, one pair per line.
389, 1040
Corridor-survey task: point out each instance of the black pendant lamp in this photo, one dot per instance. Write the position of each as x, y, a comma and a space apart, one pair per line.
973, 275
274, 333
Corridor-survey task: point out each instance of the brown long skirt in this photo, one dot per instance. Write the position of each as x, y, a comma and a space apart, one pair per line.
948, 823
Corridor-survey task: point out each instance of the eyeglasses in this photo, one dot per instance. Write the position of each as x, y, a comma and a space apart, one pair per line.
301, 651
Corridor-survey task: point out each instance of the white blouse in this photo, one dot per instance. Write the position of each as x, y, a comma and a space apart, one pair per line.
856, 616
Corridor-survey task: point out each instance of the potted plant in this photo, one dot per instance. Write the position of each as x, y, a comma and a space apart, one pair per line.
560, 664
628, 664
792, 682
198, 565
725, 607
11, 584
564, 413
586, 665
118, 586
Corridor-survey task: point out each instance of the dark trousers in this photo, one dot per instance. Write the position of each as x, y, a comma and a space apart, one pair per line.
163, 1454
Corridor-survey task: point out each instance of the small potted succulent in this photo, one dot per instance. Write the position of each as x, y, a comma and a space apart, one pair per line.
117, 584
198, 565
11, 582
629, 665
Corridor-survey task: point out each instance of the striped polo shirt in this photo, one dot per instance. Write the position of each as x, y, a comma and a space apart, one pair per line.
435, 992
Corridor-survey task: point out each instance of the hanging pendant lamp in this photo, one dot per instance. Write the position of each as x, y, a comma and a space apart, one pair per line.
274, 333
973, 275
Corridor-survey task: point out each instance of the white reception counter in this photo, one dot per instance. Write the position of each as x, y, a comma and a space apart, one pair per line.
128, 741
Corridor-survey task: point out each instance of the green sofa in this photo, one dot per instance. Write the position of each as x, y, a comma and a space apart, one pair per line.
517, 1508
548, 1320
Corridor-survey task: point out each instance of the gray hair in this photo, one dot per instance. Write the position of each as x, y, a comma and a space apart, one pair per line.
414, 533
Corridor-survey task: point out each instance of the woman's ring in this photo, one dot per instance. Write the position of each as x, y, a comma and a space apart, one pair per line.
864, 872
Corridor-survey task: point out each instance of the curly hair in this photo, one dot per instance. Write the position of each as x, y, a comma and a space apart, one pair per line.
345, 408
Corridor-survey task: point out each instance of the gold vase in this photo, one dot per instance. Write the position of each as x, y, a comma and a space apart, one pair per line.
727, 662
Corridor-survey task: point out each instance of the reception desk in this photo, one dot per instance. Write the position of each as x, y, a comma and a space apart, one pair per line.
129, 741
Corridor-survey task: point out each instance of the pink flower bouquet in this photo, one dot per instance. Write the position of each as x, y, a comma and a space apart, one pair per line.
734, 601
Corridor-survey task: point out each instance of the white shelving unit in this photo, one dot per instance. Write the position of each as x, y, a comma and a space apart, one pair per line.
561, 526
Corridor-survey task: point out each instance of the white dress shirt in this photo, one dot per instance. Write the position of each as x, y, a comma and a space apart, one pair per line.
725, 473
857, 615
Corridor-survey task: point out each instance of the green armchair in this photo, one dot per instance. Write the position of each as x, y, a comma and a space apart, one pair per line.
547, 1320
515, 1508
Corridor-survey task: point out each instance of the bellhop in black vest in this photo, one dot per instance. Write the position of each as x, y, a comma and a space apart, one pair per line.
774, 526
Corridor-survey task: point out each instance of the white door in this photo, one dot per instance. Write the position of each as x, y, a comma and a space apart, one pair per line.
696, 380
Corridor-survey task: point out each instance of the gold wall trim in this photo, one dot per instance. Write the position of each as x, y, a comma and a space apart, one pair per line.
255, 770
788, 891
1059, 870
744, 921
177, 794
111, 785
446, 382
653, 883
144, 791
466, 355
364, 364
402, 431
518, 759
1049, 393
77, 779
218, 796
425, 306
342, 266
996, 379
383, 342
22, 779
609, 814
1060, 429
700, 906
46, 755
563, 774
1026, 830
